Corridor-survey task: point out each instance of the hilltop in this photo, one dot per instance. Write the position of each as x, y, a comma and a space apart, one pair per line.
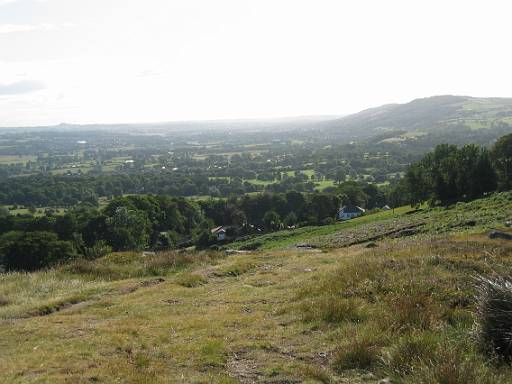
428, 115
356, 306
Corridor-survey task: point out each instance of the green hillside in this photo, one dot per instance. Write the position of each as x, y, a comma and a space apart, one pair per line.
402, 309
428, 115
476, 216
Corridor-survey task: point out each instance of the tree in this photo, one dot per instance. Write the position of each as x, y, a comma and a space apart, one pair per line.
352, 193
204, 239
290, 219
29, 251
127, 230
483, 175
502, 158
4, 211
271, 221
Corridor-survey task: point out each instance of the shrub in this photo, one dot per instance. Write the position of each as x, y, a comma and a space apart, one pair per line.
494, 316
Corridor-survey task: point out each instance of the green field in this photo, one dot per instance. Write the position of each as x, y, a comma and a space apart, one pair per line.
13, 159
39, 211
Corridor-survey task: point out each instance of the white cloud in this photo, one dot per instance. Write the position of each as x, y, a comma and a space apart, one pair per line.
6, 2
20, 87
13, 28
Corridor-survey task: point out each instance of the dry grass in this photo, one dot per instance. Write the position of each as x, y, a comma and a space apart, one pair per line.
419, 295
403, 310
190, 280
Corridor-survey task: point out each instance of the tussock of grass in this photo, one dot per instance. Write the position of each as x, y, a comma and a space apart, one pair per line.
318, 373
494, 316
413, 310
4, 301
163, 262
93, 270
411, 351
331, 309
213, 353
358, 354
190, 280
453, 365
236, 268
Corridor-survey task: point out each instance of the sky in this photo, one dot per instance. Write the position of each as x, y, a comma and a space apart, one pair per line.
127, 61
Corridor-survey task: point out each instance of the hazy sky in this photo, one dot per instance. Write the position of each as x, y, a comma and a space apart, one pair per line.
81, 61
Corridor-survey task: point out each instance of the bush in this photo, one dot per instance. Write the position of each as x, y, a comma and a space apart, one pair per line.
494, 316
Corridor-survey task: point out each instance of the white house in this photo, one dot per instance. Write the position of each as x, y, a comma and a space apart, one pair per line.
350, 211
220, 232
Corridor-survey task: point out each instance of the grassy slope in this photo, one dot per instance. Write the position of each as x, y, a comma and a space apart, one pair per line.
487, 213
286, 238
401, 310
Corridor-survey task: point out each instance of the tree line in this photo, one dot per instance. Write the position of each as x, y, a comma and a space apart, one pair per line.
449, 174
160, 222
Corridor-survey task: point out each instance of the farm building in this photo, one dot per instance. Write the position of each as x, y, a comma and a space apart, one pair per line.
220, 232
350, 211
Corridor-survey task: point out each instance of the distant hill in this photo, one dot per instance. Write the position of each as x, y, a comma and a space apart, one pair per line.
435, 116
427, 115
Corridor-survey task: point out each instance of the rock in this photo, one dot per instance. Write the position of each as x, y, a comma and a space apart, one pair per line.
470, 223
508, 223
371, 245
387, 380
407, 232
500, 235
305, 245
